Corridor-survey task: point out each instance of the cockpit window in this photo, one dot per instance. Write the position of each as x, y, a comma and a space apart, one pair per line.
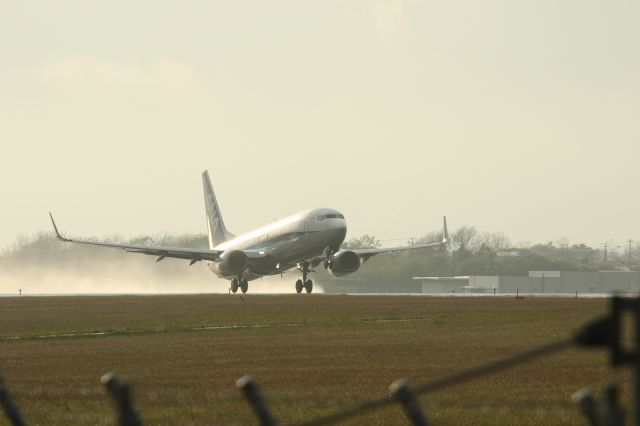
330, 216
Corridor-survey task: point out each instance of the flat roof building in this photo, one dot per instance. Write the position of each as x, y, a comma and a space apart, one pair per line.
601, 282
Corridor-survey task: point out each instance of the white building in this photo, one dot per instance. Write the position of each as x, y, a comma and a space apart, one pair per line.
537, 282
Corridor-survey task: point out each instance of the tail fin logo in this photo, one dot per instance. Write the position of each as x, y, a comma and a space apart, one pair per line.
215, 225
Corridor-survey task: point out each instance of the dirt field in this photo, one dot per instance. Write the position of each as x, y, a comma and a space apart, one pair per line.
310, 354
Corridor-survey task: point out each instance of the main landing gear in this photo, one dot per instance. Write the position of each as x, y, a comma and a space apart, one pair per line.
240, 283
305, 282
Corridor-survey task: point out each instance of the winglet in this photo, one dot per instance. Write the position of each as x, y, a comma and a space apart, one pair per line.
55, 228
445, 232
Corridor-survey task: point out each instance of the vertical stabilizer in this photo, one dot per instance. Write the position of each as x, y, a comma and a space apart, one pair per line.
217, 231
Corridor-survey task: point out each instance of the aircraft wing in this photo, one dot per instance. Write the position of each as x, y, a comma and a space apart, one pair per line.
374, 251
192, 254
365, 254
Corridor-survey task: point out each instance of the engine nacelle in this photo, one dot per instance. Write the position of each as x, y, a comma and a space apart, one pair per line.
343, 262
232, 262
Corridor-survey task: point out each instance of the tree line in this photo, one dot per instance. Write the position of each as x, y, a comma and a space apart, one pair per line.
469, 252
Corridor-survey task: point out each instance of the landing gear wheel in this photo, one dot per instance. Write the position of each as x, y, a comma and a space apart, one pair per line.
308, 285
244, 285
299, 286
234, 285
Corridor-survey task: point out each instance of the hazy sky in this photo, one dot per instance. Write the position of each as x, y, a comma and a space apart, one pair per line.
513, 116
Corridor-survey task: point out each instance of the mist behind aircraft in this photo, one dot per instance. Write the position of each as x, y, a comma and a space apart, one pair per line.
43, 265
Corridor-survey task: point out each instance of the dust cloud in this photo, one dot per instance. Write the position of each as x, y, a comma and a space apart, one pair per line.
46, 266
128, 279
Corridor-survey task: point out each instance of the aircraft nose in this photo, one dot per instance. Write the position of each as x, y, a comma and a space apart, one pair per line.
340, 229
338, 223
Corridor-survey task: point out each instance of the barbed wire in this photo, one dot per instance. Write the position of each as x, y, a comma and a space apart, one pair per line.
443, 383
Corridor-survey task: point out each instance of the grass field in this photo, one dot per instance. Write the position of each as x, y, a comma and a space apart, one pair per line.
310, 354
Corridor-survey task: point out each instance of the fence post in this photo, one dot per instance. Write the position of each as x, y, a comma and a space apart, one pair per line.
10, 408
634, 306
250, 390
119, 391
620, 355
402, 392
613, 414
588, 405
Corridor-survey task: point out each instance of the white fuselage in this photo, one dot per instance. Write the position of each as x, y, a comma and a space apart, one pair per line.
288, 241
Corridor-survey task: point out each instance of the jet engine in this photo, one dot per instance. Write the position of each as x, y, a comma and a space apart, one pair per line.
342, 263
232, 262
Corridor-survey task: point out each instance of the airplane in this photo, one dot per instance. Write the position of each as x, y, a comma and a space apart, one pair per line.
303, 240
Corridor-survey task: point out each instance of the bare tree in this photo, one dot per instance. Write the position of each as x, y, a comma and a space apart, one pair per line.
464, 237
366, 241
493, 240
